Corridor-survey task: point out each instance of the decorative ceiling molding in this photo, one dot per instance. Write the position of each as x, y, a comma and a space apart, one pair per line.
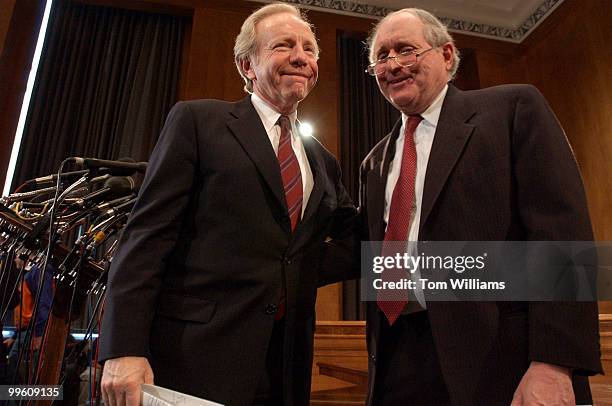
353, 8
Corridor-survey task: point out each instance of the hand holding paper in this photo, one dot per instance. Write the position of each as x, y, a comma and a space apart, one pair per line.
122, 380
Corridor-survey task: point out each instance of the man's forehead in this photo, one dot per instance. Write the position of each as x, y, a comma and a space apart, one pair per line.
284, 25
402, 29
280, 19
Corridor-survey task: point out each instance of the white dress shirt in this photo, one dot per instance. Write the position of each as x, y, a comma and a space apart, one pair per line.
269, 118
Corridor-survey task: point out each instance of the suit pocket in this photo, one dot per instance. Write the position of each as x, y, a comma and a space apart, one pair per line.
186, 308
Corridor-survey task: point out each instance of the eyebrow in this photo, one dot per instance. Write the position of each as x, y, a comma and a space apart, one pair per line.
283, 37
311, 43
290, 38
396, 45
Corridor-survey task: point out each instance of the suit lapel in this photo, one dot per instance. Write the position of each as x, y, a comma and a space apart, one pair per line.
376, 185
452, 134
248, 129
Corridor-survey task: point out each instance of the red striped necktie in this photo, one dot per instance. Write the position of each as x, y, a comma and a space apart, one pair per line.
400, 216
292, 184
290, 172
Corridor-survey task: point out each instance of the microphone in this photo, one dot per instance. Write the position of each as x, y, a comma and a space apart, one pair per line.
126, 206
115, 202
120, 208
114, 187
53, 178
15, 197
117, 168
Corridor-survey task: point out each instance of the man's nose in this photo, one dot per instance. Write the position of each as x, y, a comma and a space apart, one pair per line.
298, 56
392, 63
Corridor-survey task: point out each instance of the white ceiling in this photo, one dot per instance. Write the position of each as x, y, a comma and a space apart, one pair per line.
506, 20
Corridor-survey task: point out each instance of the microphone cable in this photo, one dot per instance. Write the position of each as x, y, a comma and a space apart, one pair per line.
45, 268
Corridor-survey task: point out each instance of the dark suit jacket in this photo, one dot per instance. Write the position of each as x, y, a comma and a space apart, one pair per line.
500, 169
208, 247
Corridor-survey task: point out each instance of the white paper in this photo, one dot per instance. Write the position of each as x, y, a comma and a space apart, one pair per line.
153, 395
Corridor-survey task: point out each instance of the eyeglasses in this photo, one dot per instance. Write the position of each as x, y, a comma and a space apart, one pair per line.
403, 59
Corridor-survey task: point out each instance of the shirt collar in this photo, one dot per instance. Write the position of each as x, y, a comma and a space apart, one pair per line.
268, 115
432, 113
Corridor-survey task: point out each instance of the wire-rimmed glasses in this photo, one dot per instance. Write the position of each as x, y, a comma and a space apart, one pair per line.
403, 59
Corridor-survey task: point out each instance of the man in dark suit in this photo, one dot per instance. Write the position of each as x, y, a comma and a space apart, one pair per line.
212, 291
485, 165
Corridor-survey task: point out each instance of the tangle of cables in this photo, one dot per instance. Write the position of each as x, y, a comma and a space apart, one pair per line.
58, 234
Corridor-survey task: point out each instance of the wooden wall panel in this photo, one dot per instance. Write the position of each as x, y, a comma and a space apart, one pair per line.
496, 69
5, 19
20, 21
498, 62
211, 72
339, 352
570, 62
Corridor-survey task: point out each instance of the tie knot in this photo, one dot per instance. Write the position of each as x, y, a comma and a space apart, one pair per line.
284, 123
415, 119
412, 123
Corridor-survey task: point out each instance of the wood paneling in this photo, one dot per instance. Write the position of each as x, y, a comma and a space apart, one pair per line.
17, 44
211, 72
570, 61
601, 385
5, 19
329, 302
340, 359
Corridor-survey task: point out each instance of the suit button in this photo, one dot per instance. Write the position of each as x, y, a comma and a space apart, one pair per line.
373, 357
286, 261
271, 308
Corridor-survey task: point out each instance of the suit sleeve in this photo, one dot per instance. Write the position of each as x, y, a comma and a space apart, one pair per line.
341, 250
552, 206
137, 269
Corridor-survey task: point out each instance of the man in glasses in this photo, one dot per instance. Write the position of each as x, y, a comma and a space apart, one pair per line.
485, 165
213, 288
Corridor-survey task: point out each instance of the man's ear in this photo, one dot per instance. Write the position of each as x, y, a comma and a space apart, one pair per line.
448, 53
247, 68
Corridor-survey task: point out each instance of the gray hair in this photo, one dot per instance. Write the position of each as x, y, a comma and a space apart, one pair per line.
435, 33
246, 42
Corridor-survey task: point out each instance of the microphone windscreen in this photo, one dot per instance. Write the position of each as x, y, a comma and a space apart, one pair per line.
119, 185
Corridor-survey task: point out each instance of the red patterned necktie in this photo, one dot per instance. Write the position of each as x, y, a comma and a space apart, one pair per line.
392, 302
290, 172
292, 183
